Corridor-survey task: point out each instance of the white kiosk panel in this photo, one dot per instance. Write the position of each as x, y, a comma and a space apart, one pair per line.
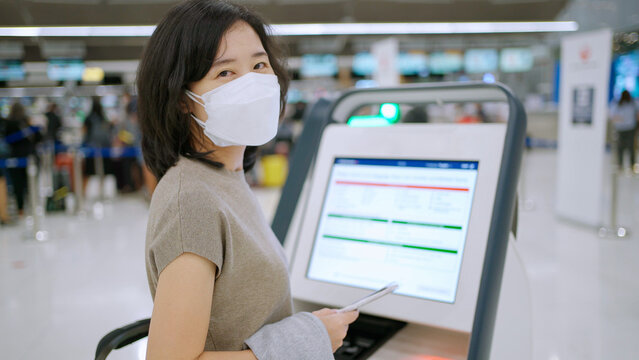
409, 203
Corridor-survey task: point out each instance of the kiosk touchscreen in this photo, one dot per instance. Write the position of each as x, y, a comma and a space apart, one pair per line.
397, 220
409, 203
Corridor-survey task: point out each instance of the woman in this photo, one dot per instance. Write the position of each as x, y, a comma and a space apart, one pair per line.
21, 147
97, 135
5, 151
625, 117
210, 88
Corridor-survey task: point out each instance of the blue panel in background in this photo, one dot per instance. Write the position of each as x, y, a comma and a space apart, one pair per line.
625, 68
11, 70
556, 90
319, 65
65, 69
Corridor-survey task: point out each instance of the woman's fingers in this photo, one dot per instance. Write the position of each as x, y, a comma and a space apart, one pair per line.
324, 312
350, 317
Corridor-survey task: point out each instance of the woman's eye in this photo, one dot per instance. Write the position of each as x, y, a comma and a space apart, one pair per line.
224, 73
259, 66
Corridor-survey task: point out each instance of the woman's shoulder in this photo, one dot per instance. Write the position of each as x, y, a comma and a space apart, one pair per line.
181, 204
182, 186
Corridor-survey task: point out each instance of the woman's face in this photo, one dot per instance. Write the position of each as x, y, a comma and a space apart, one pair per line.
240, 52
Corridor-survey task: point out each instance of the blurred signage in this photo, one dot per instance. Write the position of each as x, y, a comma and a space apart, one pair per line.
515, 60
480, 61
364, 64
412, 63
386, 52
65, 69
445, 62
319, 65
583, 121
11, 70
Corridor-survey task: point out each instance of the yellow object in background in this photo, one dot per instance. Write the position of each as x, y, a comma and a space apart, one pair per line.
126, 137
92, 74
275, 170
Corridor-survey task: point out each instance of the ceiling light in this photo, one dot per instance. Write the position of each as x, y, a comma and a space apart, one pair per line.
77, 31
423, 28
311, 29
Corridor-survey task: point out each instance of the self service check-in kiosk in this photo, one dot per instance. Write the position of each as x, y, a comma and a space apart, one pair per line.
426, 205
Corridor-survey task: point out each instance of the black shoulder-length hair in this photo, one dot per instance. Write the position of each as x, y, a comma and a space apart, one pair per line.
180, 51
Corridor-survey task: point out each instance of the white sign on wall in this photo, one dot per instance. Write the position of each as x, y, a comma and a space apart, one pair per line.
583, 110
386, 53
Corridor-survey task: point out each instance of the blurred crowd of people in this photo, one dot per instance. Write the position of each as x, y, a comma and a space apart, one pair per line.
20, 139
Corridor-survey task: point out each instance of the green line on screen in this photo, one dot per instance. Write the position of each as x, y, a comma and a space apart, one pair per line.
356, 217
391, 244
454, 227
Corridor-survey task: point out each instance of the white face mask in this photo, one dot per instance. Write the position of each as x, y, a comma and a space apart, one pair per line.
244, 111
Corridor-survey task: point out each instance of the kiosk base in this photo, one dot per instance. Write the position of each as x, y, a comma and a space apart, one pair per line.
367, 334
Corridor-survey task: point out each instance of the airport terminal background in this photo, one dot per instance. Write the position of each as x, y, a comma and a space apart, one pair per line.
72, 259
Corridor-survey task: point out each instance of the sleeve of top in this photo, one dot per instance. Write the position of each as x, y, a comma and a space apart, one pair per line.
194, 223
301, 337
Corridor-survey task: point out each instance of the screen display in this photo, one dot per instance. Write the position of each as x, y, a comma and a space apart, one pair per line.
516, 60
412, 63
445, 62
626, 74
11, 70
65, 69
480, 60
319, 65
364, 64
387, 220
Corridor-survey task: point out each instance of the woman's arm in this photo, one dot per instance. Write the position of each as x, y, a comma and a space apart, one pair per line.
227, 355
181, 312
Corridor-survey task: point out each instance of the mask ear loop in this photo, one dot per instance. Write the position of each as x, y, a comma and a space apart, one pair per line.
193, 96
198, 121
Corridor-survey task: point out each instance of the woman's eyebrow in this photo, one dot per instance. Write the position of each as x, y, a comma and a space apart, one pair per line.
226, 61
223, 61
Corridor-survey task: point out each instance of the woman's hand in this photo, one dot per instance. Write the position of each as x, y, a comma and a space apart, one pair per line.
336, 324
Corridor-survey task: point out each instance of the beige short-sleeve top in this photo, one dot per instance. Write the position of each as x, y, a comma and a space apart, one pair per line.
212, 212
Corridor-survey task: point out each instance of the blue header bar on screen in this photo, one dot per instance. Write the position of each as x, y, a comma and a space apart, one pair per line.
434, 164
